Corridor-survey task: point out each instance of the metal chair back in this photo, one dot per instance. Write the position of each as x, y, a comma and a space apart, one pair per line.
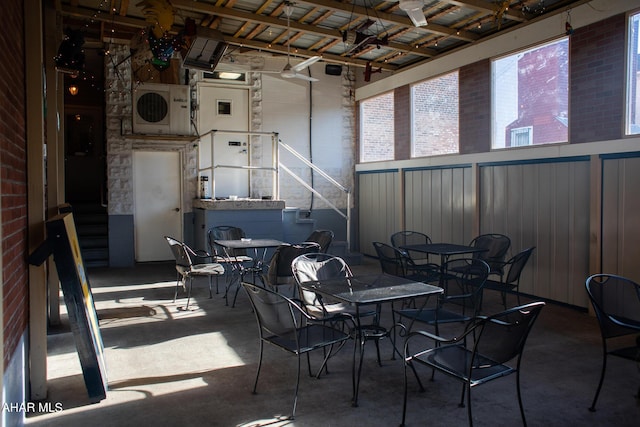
497, 246
392, 260
225, 232
407, 237
322, 238
616, 302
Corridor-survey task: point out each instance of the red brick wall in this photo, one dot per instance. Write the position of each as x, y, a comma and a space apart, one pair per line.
597, 91
13, 164
402, 125
597, 81
475, 107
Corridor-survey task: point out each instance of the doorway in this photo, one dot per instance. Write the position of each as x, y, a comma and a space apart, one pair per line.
85, 180
157, 201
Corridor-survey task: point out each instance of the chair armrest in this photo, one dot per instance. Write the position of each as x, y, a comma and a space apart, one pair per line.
299, 305
469, 329
426, 334
200, 256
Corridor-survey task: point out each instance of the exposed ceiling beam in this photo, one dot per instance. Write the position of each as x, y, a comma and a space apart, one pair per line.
192, 6
139, 23
326, 57
492, 8
391, 18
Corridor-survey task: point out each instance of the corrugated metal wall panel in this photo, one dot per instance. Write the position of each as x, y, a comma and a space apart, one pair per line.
439, 203
379, 210
621, 217
544, 205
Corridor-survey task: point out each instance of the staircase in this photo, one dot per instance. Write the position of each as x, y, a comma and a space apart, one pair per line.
92, 226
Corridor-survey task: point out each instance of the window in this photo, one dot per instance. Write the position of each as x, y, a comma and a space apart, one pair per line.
435, 116
633, 77
521, 136
531, 96
377, 128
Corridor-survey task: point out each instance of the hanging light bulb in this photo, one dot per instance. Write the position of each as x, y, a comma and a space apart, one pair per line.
73, 89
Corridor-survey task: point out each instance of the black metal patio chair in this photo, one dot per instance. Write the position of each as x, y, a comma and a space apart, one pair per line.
616, 302
462, 298
479, 355
497, 246
322, 238
314, 267
510, 281
420, 260
285, 324
190, 263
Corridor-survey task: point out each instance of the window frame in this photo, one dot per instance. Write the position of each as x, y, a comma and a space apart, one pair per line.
413, 114
524, 50
361, 141
629, 62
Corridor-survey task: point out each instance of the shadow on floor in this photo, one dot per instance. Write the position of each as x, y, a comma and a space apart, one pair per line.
171, 367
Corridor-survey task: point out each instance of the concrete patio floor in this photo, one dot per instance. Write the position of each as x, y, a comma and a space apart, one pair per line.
168, 366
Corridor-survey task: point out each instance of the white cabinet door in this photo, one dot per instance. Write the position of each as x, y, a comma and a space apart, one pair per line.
157, 203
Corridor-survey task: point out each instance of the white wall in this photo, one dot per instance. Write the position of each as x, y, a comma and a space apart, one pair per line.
291, 107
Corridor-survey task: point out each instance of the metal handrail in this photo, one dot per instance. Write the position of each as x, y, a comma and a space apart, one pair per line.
322, 173
312, 166
275, 168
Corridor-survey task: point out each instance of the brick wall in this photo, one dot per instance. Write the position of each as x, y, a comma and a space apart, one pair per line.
475, 107
597, 81
435, 116
597, 92
378, 132
13, 191
402, 126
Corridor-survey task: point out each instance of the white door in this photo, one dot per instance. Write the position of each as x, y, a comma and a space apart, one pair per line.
157, 208
226, 109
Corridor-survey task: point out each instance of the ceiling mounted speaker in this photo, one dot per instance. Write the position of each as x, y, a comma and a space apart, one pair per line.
333, 69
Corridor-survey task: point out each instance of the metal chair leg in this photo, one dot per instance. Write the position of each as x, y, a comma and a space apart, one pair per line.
189, 292
255, 383
175, 294
524, 420
592, 408
295, 397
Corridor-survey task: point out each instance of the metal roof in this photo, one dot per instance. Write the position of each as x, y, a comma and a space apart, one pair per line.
318, 27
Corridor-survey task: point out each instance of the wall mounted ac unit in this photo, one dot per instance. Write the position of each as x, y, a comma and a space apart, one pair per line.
161, 109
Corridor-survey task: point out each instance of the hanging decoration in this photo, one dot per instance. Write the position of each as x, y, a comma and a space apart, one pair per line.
160, 15
70, 57
568, 29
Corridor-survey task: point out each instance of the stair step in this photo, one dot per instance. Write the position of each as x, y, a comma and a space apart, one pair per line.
95, 254
92, 242
92, 225
92, 230
94, 218
96, 263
